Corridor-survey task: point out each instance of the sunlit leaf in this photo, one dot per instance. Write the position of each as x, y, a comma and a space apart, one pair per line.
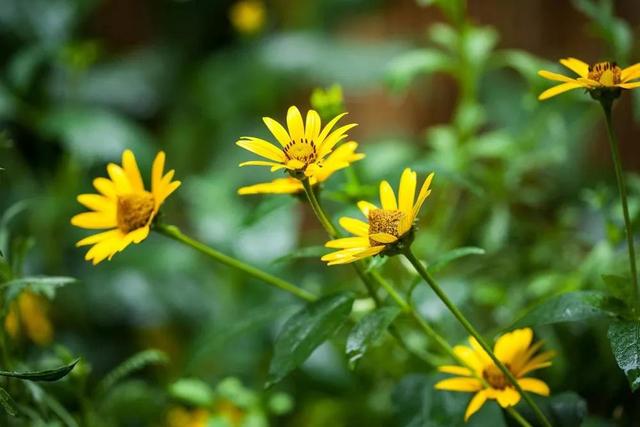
193, 391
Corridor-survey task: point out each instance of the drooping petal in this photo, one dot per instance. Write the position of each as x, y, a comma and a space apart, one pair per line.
475, 404
348, 242
355, 226
387, 196
262, 148
631, 85
534, 385
557, 90
130, 167
260, 163
630, 73
577, 66
342, 254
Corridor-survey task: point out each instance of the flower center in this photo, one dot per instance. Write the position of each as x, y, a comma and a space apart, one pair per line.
303, 150
383, 221
134, 210
606, 73
494, 376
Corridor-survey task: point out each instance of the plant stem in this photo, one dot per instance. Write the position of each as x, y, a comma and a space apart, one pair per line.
469, 327
622, 189
519, 418
317, 209
174, 233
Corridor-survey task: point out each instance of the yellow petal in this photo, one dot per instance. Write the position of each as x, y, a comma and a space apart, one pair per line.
366, 207
348, 242
130, 167
95, 220
577, 66
534, 385
630, 73
455, 370
330, 141
459, 384
96, 202
513, 343
262, 148
341, 254
554, 76
260, 163
277, 186
475, 404
406, 197
469, 357
294, 123
312, 126
105, 187
277, 130
119, 178
140, 234
374, 250
387, 197
632, 85
507, 397
355, 226
383, 237
157, 170
480, 352
424, 193
104, 249
557, 90
327, 129
95, 238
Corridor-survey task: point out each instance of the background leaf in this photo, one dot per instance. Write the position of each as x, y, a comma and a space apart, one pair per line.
44, 375
452, 255
368, 332
625, 344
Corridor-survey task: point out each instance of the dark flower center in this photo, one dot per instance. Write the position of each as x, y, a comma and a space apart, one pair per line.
606, 73
134, 210
383, 221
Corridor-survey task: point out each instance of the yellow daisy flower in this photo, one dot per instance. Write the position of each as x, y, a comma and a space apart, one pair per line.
28, 315
123, 206
304, 144
514, 349
603, 75
341, 158
386, 228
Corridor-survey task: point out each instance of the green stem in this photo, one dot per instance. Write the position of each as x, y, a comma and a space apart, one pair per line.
622, 189
174, 233
469, 327
317, 209
519, 418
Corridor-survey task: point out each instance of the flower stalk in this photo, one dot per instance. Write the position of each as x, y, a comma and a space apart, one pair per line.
422, 271
174, 233
317, 209
607, 104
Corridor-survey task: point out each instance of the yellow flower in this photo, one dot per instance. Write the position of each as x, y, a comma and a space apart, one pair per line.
28, 315
181, 417
304, 146
341, 158
603, 75
247, 16
384, 227
123, 206
514, 349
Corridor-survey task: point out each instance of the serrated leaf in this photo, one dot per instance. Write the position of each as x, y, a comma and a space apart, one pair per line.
45, 375
193, 391
624, 338
368, 332
453, 255
572, 307
135, 363
305, 331
7, 403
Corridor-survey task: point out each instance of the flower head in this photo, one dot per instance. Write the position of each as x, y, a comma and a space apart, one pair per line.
304, 145
603, 76
247, 16
340, 158
28, 315
123, 206
386, 227
514, 349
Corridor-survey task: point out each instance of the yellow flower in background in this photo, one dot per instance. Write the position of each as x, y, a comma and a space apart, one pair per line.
603, 75
514, 349
304, 145
248, 16
123, 206
28, 315
339, 159
182, 417
385, 226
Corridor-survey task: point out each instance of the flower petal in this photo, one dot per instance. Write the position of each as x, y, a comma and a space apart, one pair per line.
534, 385
355, 226
95, 220
262, 148
96, 202
630, 73
95, 238
387, 197
327, 129
577, 66
130, 167
475, 404
366, 207
631, 85
507, 397
157, 170
512, 344
348, 242
330, 141
277, 130
383, 237
455, 370
459, 384
277, 186
424, 193
119, 178
554, 76
312, 126
106, 187
557, 90
295, 124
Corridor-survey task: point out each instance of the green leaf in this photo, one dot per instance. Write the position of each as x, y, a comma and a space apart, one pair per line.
135, 363
572, 307
453, 255
44, 375
619, 286
562, 410
7, 403
192, 391
405, 68
624, 338
305, 331
42, 285
368, 332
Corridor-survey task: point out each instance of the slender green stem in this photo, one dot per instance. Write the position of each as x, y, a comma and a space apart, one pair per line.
622, 189
317, 209
399, 300
174, 233
469, 327
519, 418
